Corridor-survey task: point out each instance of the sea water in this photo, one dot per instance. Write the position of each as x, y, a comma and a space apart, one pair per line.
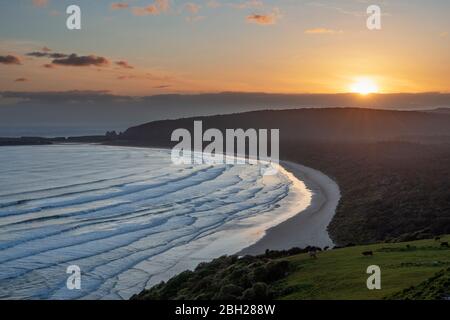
127, 217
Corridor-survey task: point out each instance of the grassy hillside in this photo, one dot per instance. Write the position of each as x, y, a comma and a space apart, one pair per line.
407, 269
341, 274
432, 289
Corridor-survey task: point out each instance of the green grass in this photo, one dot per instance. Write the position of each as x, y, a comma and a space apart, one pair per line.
341, 273
409, 270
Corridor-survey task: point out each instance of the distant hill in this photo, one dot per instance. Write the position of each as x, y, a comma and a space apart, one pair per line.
348, 124
441, 110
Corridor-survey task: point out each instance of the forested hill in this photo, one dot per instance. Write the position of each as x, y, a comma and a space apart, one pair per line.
345, 124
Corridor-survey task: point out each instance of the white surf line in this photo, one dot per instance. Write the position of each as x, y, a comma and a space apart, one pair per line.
308, 227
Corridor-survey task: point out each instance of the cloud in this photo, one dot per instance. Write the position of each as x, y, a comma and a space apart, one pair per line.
82, 61
145, 11
119, 5
124, 64
154, 9
21, 80
192, 8
125, 77
39, 54
163, 5
264, 19
10, 60
40, 3
74, 59
62, 96
57, 55
260, 19
443, 34
322, 31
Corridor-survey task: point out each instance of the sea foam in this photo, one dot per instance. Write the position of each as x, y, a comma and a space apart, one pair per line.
128, 217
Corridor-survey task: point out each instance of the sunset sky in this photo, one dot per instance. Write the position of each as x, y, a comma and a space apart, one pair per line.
144, 47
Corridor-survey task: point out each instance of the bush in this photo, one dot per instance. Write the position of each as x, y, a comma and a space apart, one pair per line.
229, 292
225, 278
261, 291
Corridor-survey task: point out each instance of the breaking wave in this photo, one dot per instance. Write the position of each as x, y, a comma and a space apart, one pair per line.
127, 217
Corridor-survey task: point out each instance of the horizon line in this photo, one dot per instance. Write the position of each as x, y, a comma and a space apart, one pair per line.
109, 92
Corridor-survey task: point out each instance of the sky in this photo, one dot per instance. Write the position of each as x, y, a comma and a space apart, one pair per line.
150, 47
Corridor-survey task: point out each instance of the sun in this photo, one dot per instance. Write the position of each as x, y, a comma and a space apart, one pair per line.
364, 86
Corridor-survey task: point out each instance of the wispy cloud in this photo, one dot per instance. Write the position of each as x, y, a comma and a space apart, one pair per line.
46, 54
163, 5
156, 8
192, 8
146, 11
21, 80
74, 60
119, 5
323, 31
10, 60
264, 19
193, 11
124, 64
126, 77
40, 3
61, 96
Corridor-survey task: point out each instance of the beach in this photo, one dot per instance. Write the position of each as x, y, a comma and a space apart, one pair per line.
128, 217
309, 226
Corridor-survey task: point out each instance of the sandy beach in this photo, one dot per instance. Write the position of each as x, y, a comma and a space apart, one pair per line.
308, 227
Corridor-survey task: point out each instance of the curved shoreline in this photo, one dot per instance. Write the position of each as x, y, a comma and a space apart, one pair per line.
308, 227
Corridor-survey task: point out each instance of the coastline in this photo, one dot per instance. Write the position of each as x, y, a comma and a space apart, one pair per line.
301, 221
308, 227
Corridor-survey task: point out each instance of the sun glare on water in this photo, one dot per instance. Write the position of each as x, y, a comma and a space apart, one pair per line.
364, 86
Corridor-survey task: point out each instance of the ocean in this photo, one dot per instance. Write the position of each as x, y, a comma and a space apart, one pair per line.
127, 217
